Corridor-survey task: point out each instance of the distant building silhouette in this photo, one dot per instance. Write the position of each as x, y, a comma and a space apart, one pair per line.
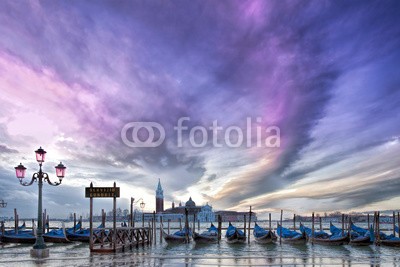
202, 213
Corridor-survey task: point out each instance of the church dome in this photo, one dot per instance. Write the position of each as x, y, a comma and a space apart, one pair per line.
190, 203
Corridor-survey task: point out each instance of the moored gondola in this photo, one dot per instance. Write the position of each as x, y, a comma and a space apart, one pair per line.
360, 236
209, 236
263, 236
56, 236
179, 237
323, 238
289, 236
234, 235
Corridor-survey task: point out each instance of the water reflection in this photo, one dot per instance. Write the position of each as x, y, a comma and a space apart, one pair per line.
222, 254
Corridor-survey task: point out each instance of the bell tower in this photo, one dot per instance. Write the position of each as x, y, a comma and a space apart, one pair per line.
159, 198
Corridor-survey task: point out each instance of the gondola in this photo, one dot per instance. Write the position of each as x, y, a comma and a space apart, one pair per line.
234, 235
289, 236
78, 234
388, 240
181, 236
360, 236
81, 235
22, 238
21, 229
209, 236
263, 236
56, 236
323, 238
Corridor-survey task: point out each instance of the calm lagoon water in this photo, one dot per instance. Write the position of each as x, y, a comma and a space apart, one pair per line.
223, 254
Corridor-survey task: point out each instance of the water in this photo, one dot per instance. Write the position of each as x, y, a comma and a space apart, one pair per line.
223, 254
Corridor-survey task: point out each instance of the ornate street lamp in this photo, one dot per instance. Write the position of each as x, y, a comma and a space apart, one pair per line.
39, 248
142, 204
3, 204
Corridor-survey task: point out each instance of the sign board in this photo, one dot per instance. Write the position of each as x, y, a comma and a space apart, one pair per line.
101, 192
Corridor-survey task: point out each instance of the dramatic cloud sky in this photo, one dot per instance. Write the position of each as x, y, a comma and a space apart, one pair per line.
327, 73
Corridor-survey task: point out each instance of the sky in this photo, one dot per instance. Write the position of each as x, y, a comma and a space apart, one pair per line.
326, 74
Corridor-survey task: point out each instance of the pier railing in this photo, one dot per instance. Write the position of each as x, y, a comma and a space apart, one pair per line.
118, 239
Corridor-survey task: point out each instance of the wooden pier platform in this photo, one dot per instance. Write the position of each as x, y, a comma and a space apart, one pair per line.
106, 240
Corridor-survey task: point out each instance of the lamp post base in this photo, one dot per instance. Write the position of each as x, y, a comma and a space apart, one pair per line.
40, 253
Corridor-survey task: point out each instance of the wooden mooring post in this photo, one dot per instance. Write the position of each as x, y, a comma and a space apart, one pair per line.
169, 220
161, 229
244, 225
248, 240
342, 224
194, 223
394, 223
187, 225
155, 227
270, 222
320, 224
312, 229
15, 221
44, 221
113, 239
398, 221
103, 217
281, 221
150, 222
294, 222
132, 224
74, 222
219, 227
47, 223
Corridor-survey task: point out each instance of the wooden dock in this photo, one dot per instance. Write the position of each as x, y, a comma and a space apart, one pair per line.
108, 240
114, 239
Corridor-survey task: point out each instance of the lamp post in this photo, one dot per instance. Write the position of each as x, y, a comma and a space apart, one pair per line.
142, 204
133, 202
39, 248
3, 204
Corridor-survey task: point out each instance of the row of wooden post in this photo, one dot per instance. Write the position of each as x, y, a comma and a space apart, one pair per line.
152, 223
